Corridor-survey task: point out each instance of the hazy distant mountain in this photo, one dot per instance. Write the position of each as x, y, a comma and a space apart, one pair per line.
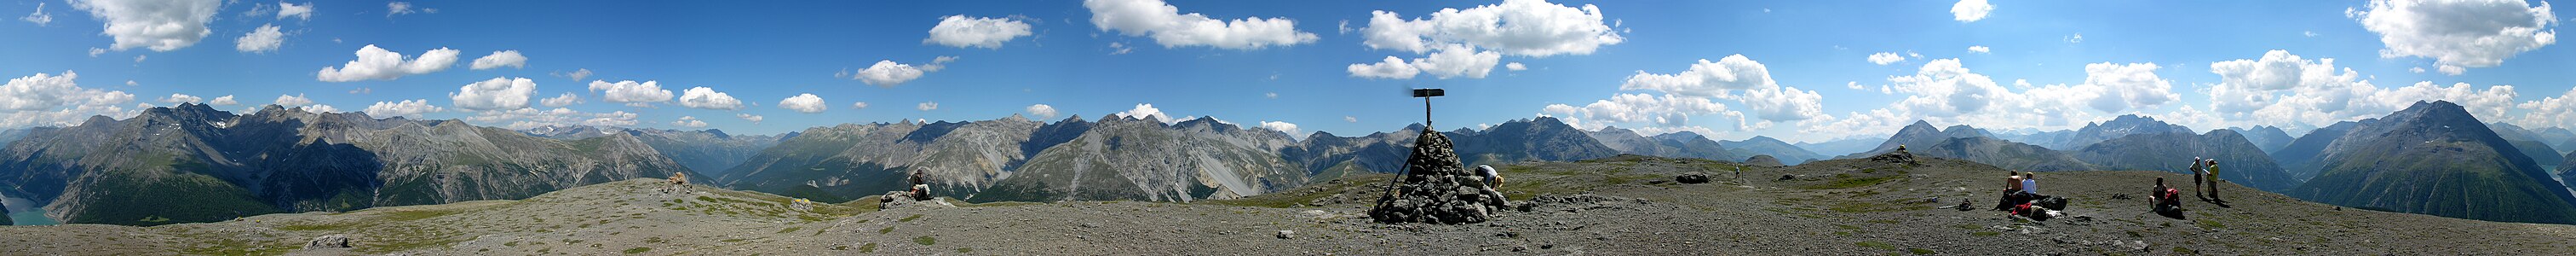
1847, 145
710, 152
2528, 142
2240, 161
855, 160
2118, 127
1765, 145
1542, 138
1964, 131
1678, 144
2042, 138
1326, 156
1921, 139
2269, 138
2567, 172
2299, 157
2435, 158
1142, 159
1115, 158
192, 163
8, 135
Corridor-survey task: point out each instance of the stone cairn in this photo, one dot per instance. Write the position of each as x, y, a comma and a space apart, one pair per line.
1436, 188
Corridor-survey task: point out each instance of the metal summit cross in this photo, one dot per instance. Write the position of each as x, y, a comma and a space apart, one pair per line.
1426, 94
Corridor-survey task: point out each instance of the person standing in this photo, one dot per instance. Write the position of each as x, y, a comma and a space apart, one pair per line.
2199, 167
2213, 181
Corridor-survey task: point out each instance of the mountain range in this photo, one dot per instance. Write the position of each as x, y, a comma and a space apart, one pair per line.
1765, 145
278, 159
192, 163
2269, 138
1677, 144
2431, 158
710, 152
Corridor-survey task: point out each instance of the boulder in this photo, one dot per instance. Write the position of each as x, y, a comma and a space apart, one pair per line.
1436, 188
328, 241
1692, 178
1287, 234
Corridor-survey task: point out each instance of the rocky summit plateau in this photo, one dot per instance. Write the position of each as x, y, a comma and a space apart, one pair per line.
1624, 205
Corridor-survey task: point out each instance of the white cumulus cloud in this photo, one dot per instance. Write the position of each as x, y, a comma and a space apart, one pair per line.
1980, 49
1147, 112
858, 105
748, 117
510, 58
495, 94
180, 98
264, 39
1515, 66
1285, 127
630, 92
226, 100
303, 11
292, 100
567, 99
926, 106
160, 25
1042, 111
1171, 28
1884, 58
409, 108
2459, 34
1449, 62
380, 64
961, 31
690, 122
887, 73
1971, 10
1532, 28
802, 103
42, 92
706, 98
39, 18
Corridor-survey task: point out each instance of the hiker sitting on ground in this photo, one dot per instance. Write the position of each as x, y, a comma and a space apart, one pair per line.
2012, 190
2029, 184
679, 182
920, 185
2165, 198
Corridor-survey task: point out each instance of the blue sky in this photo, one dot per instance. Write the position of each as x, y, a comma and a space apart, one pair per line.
1304, 53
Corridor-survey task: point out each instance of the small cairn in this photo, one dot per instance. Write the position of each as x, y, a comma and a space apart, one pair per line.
1435, 188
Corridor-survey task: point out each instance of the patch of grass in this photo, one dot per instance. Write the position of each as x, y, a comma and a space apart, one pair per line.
925, 240
638, 250
1919, 251
1842, 183
965, 250
1862, 206
2211, 224
886, 230
868, 248
789, 229
2185, 251
909, 219
1985, 233
1876, 244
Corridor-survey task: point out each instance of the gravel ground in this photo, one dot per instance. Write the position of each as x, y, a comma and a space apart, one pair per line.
1620, 206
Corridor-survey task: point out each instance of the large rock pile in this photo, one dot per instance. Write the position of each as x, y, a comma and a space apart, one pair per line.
1436, 188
